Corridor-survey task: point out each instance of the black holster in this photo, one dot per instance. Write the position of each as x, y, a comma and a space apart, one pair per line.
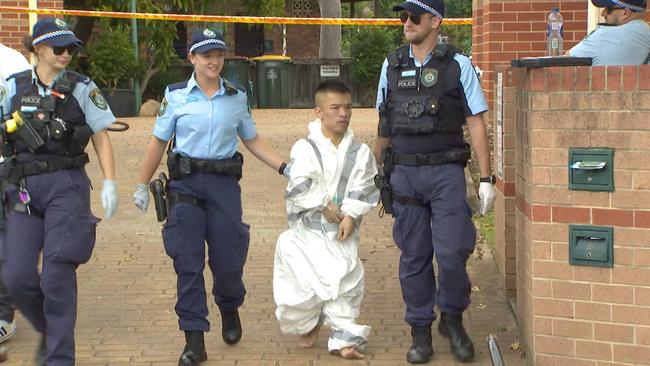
382, 182
158, 188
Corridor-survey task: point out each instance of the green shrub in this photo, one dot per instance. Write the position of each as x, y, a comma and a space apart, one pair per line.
366, 48
110, 57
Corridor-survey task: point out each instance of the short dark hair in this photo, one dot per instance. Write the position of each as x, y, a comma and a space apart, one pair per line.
333, 86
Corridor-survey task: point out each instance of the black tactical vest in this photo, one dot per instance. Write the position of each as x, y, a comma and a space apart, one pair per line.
60, 121
423, 111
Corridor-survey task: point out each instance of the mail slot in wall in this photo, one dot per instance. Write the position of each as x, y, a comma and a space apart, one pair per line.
591, 245
591, 169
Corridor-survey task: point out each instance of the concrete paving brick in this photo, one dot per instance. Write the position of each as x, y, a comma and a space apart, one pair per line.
127, 290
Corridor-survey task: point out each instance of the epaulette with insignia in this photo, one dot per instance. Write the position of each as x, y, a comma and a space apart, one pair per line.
231, 88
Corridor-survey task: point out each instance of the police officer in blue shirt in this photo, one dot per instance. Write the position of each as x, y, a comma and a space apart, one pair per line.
200, 119
427, 92
624, 37
47, 199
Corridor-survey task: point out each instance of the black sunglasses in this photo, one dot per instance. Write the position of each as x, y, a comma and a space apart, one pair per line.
71, 48
404, 16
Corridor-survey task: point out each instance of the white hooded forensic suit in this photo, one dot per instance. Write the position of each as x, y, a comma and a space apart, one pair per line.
316, 277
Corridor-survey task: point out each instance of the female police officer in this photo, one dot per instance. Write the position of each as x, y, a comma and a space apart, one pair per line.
203, 117
48, 193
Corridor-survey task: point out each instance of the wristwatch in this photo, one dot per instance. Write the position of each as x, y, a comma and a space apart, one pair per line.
489, 179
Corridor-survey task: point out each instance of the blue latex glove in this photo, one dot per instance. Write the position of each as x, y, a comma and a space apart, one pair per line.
109, 198
141, 197
287, 170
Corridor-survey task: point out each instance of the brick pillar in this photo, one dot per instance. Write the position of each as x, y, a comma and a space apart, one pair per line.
14, 26
574, 314
511, 29
503, 115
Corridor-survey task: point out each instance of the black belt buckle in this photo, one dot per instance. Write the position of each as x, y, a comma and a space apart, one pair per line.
185, 165
421, 159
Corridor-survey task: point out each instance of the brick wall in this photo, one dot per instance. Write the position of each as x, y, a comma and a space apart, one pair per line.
14, 26
570, 314
506, 30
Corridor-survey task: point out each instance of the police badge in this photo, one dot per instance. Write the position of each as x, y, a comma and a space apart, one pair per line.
98, 99
209, 33
60, 23
163, 107
429, 77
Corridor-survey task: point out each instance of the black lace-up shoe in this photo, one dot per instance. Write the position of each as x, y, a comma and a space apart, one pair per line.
194, 352
230, 326
451, 327
421, 350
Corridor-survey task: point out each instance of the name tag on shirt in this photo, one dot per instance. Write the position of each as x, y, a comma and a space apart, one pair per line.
408, 73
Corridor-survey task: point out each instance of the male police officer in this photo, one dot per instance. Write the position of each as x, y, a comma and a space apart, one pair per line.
427, 91
624, 37
12, 62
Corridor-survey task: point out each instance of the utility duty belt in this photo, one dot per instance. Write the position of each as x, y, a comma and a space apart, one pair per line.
14, 171
164, 199
180, 167
456, 155
392, 158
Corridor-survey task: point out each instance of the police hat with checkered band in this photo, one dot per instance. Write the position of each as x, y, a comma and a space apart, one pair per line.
205, 40
634, 5
53, 32
418, 7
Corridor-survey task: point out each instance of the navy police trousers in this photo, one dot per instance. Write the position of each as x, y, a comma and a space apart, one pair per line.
185, 233
62, 228
442, 227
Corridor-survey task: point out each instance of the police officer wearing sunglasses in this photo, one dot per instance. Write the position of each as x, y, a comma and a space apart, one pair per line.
54, 114
427, 92
624, 37
199, 123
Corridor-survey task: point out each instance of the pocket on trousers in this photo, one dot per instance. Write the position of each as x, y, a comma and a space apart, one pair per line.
171, 234
78, 240
244, 234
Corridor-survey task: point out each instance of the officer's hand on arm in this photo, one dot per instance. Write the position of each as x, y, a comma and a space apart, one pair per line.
346, 227
109, 198
141, 197
487, 194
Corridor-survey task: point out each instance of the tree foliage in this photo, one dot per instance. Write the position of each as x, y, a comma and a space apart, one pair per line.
155, 37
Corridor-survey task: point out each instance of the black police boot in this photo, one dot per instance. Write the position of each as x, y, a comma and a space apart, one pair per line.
39, 358
230, 326
451, 327
194, 352
422, 348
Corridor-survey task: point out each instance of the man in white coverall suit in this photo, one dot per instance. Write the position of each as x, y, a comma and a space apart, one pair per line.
318, 277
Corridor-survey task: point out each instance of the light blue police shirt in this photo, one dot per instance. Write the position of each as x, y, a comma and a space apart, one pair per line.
468, 78
96, 111
625, 44
205, 127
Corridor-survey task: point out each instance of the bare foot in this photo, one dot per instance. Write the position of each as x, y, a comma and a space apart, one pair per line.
350, 353
309, 339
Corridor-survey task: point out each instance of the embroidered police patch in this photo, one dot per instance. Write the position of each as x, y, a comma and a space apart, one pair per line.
60, 23
429, 77
209, 33
410, 83
98, 99
163, 107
